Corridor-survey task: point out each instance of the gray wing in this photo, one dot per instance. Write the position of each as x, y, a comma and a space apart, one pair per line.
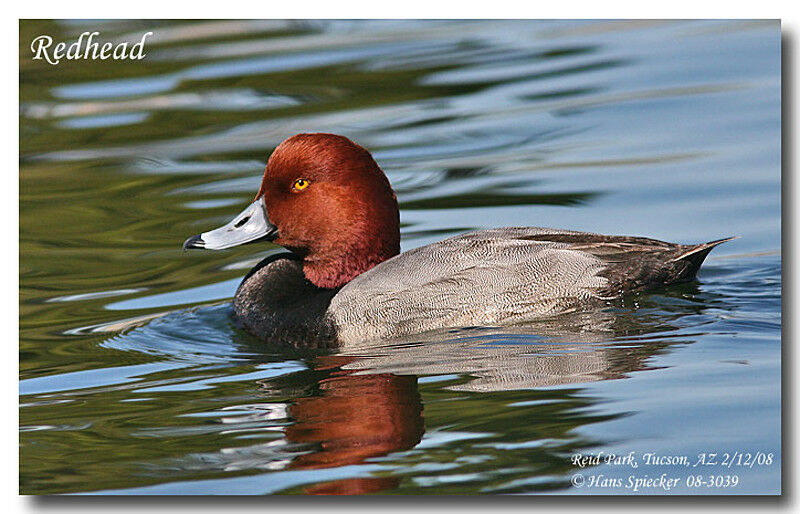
488, 277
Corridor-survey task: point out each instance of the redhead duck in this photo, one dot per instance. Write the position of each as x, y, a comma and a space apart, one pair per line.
344, 280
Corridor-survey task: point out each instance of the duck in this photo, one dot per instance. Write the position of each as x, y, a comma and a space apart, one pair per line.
342, 280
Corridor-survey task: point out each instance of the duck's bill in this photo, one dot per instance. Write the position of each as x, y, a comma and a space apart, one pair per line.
252, 224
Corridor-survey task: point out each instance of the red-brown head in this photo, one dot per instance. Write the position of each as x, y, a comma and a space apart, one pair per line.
327, 200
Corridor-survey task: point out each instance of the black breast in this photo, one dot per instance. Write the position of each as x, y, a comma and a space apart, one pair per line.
276, 303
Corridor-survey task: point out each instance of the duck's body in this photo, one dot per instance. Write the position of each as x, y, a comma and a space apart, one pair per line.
344, 282
488, 277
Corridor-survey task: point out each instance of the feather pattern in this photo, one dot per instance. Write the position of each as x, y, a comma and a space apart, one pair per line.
504, 276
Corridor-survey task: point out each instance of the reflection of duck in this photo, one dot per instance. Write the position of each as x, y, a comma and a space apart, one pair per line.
325, 199
575, 348
364, 402
354, 418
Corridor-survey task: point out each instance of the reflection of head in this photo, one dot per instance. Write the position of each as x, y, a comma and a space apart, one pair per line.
351, 419
363, 485
356, 417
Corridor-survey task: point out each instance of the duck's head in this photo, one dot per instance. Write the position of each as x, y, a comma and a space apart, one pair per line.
324, 198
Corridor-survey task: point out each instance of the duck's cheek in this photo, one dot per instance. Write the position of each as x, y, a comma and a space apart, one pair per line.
286, 242
297, 246
303, 233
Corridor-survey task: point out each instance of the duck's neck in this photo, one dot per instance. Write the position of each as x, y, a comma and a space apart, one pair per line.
333, 269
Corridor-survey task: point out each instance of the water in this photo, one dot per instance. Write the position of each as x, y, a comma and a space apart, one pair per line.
133, 379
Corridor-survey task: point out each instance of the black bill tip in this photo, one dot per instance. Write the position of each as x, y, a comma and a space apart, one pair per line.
194, 242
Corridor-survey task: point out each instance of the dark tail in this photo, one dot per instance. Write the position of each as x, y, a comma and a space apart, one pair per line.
694, 256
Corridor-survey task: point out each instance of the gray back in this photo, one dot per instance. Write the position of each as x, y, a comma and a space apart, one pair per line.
487, 277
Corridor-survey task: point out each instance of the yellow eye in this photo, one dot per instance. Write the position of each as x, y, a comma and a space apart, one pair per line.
300, 184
